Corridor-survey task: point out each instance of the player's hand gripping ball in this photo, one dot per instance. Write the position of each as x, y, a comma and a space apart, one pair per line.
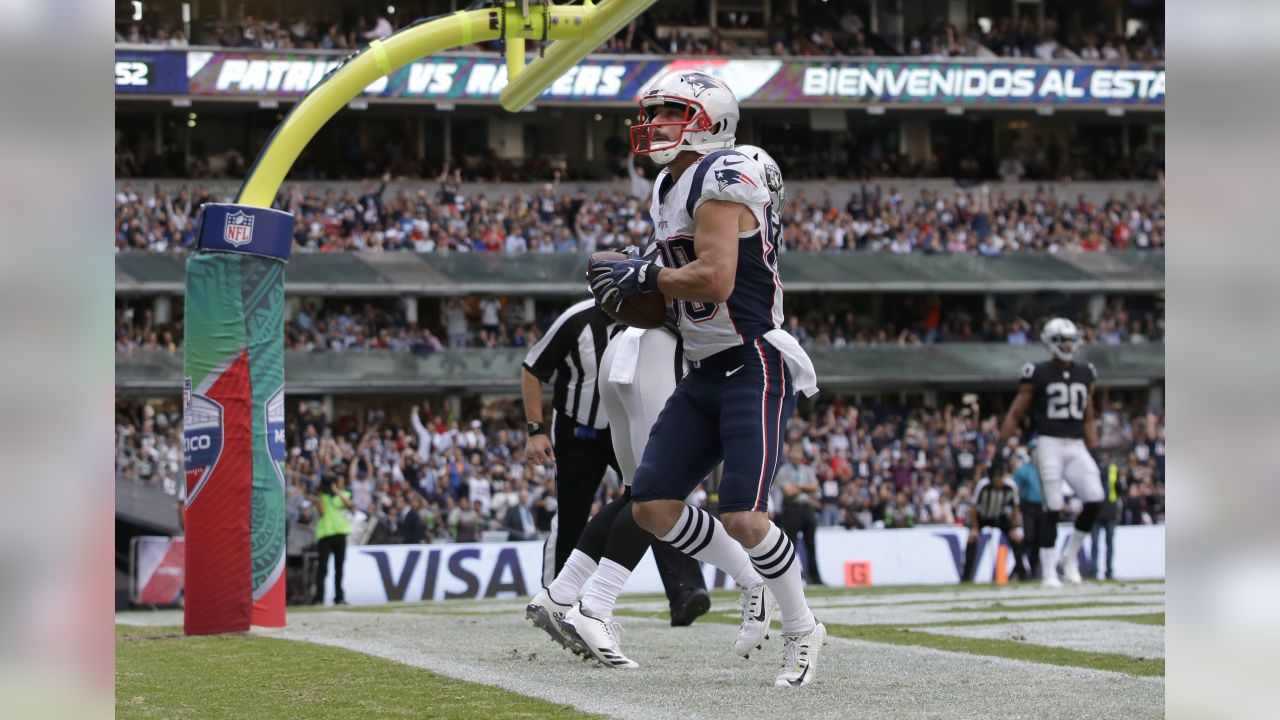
625, 287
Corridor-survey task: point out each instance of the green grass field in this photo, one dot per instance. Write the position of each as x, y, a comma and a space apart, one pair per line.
160, 673
976, 651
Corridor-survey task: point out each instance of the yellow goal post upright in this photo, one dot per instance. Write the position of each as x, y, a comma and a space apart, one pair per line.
233, 354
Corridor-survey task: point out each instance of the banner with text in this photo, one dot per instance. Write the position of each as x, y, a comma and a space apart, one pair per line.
923, 555
606, 80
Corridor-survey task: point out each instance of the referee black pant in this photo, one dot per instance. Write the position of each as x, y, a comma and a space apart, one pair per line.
1033, 526
971, 549
582, 454
800, 519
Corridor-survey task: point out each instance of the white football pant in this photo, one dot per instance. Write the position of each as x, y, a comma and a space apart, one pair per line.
1068, 459
632, 408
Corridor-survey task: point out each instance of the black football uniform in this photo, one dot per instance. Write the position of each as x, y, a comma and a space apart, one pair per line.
1059, 400
1061, 396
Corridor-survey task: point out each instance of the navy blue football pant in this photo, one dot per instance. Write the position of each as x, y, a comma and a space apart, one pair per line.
731, 407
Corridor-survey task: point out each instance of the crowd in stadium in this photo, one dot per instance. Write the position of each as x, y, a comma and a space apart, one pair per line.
500, 322
1026, 37
552, 219
824, 33
876, 465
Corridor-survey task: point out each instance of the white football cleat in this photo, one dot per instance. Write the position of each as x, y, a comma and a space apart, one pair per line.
549, 615
1051, 581
799, 656
757, 611
1071, 571
602, 638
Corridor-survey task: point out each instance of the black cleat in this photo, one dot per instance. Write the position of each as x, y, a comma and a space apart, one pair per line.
695, 604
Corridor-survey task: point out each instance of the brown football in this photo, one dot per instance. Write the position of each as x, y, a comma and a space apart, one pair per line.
642, 310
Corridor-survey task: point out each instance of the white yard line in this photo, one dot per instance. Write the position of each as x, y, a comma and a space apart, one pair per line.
691, 672
1146, 641
914, 614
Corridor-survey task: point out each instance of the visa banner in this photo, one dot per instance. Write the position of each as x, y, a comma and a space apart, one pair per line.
930, 554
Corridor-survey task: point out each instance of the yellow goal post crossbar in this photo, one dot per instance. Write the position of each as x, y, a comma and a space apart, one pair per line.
574, 31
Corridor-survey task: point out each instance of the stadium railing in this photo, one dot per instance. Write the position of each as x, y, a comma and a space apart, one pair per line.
371, 274
958, 365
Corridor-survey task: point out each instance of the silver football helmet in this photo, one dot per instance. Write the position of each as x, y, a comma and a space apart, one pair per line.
772, 176
1062, 337
710, 116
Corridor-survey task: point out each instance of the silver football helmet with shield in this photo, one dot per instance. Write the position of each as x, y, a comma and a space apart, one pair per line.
710, 116
772, 178
1062, 337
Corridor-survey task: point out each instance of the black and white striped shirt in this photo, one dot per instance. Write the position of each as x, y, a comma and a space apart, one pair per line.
570, 353
992, 501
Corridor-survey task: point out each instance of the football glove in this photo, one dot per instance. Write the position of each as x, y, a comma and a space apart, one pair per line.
613, 282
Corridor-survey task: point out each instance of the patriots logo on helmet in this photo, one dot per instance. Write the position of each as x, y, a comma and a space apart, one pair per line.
726, 177
700, 82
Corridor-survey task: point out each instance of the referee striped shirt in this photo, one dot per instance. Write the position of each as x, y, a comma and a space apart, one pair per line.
570, 355
992, 501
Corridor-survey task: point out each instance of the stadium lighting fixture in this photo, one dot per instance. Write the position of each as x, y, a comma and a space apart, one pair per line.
137, 9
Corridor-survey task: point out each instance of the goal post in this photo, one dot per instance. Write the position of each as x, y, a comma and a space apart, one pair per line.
233, 356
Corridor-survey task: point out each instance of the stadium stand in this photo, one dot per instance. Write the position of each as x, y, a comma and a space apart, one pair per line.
874, 451
875, 218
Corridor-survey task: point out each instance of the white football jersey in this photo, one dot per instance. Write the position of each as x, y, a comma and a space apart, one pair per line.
755, 306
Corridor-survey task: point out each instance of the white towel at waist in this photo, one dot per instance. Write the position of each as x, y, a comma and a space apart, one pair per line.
626, 356
802, 372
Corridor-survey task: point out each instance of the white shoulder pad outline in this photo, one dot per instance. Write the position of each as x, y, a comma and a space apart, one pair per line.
730, 176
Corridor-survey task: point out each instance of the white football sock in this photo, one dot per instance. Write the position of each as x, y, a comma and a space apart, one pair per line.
1073, 546
775, 560
568, 584
1048, 561
703, 537
606, 586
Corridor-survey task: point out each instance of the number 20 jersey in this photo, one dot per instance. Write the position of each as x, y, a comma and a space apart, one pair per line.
755, 305
1060, 396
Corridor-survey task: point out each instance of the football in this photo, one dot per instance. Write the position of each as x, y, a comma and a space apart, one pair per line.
642, 310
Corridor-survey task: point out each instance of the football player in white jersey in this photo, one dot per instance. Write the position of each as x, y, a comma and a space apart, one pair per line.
638, 372
711, 209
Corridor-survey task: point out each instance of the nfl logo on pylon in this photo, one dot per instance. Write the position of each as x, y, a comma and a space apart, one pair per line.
239, 229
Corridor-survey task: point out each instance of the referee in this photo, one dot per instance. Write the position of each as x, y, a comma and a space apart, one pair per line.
577, 438
995, 504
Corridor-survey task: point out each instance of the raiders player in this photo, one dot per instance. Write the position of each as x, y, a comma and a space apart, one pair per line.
1059, 394
636, 379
